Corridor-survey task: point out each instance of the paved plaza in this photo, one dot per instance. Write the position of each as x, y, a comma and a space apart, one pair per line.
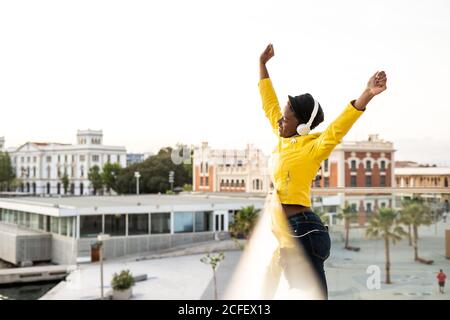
181, 275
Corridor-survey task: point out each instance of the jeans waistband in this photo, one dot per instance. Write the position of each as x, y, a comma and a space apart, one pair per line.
304, 216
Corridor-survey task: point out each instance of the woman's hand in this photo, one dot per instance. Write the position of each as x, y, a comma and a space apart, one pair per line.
267, 54
377, 83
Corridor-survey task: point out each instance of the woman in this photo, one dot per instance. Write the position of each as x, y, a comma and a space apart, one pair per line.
296, 161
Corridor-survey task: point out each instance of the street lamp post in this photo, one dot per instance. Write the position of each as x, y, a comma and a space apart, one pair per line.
101, 238
171, 179
137, 175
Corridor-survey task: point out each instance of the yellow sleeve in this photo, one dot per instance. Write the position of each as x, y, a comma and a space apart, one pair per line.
334, 133
270, 103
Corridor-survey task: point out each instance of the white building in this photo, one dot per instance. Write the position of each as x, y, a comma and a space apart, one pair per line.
233, 170
62, 230
40, 166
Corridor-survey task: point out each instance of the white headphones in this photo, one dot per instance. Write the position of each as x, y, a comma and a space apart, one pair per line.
304, 128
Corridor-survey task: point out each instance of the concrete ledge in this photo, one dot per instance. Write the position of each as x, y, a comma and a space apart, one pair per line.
34, 274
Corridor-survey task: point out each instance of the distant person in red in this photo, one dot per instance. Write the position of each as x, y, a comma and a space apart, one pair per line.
441, 280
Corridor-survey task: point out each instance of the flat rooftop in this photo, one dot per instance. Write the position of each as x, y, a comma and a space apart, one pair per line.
136, 200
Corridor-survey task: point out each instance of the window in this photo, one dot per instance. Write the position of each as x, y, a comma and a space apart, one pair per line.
54, 225
352, 181
327, 182
34, 159
368, 181
137, 224
95, 158
368, 165
82, 158
108, 158
325, 166
184, 222
34, 171
382, 181
115, 224
207, 181
353, 165
49, 158
59, 158
82, 172
383, 166
383, 204
203, 221
160, 223
73, 158
90, 226
368, 207
65, 158
353, 206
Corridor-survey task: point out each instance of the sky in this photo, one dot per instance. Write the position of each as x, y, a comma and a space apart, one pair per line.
156, 73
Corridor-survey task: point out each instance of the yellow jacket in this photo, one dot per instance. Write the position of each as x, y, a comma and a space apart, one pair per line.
296, 160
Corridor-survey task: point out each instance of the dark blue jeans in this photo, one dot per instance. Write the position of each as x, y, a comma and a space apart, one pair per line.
314, 238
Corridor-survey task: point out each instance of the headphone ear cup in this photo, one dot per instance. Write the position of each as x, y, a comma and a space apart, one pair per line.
302, 129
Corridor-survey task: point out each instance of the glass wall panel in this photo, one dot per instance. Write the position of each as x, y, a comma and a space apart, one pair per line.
184, 222
203, 221
137, 224
115, 224
160, 222
90, 226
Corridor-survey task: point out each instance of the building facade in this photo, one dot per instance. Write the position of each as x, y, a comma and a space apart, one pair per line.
2, 144
354, 164
414, 175
40, 166
232, 170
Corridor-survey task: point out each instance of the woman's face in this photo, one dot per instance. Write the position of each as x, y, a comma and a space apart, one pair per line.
287, 125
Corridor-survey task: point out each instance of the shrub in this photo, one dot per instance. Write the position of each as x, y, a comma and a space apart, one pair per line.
122, 281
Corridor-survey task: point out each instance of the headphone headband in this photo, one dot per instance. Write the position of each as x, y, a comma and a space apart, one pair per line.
313, 114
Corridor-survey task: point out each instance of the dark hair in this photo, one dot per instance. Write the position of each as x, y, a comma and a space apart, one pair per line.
303, 106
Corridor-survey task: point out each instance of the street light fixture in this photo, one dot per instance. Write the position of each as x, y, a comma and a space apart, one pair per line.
101, 238
137, 175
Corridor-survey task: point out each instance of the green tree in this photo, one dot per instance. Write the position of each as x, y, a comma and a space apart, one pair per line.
155, 174
244, 221
347, 214
6, 172
414, 214
213, 261
386, 225
65, 182
110, 174
95, 178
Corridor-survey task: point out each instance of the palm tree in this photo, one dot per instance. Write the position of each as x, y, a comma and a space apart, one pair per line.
347, 213
415, 213
405, 219
244, 221
386, 225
